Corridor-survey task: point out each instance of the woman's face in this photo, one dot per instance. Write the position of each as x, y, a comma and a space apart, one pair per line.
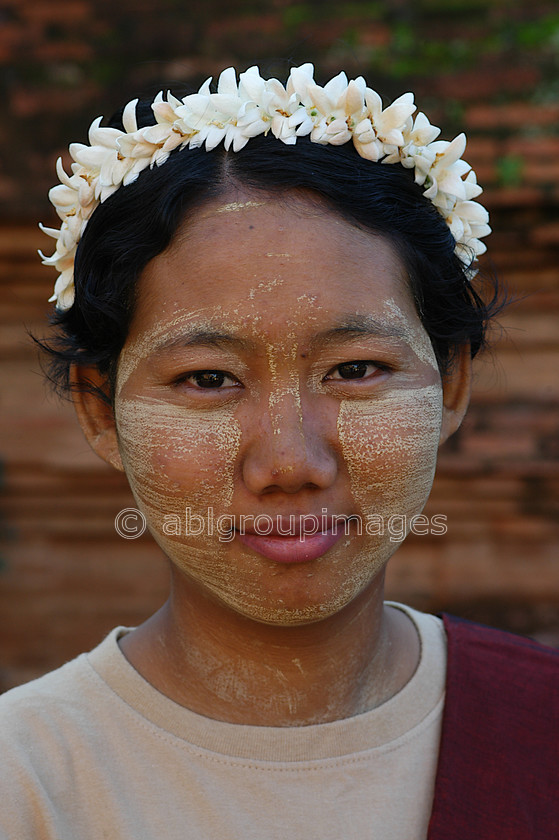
276, 369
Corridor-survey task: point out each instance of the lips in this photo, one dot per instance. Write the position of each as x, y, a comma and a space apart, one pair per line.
291, 539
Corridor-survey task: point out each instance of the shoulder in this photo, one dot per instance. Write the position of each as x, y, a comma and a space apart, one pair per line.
49, 710
36, 720
40, 719
502, 680
40, 695
44, 726
499, 752
500, 657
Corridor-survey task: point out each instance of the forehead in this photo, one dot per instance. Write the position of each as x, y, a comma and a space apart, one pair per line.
265, 259
301, 220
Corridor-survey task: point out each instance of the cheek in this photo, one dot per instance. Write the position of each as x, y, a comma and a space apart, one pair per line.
176, 459
390, 448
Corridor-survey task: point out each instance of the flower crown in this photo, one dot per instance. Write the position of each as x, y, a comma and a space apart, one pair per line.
336, 113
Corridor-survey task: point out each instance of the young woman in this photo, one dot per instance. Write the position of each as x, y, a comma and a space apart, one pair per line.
268, 325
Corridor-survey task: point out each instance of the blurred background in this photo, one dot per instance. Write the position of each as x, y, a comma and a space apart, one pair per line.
489, 67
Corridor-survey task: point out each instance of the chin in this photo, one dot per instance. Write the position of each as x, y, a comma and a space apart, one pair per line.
295, 612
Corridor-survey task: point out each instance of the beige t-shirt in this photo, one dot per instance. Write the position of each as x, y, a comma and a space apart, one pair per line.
93, 751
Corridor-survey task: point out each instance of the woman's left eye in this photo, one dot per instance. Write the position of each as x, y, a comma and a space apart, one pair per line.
208, 379
354, 370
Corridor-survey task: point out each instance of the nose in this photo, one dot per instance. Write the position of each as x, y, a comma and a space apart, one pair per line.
290, 448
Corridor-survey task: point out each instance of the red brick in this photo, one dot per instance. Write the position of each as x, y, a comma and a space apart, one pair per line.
497, 479
546, 234
47, 11
511, 115
487, 81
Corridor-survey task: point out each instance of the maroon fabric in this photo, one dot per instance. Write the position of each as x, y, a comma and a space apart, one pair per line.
498, 771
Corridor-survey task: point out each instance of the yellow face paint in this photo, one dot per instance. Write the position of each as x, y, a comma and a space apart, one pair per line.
235, 206
283, 433
390, 448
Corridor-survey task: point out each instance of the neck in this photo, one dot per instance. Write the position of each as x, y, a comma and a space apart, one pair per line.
225, 666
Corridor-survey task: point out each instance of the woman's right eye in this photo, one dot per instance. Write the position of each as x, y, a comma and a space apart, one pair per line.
208, 379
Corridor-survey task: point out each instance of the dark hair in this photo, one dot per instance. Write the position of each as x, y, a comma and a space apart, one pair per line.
138, 222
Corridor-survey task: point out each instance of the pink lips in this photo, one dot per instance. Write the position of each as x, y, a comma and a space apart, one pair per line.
292, 549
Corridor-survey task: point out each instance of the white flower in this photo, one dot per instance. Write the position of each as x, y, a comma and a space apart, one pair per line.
328, 111
340, 112
64, 289
269, 106
298, 84
416, 152
390, 122
447, 169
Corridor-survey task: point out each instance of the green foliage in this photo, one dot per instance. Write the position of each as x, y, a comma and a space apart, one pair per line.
449, 7
408, 55
296, 15
416, 51
535, 34
510, 170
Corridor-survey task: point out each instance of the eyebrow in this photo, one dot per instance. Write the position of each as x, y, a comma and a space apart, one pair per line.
351, 328
357, 326
205, 337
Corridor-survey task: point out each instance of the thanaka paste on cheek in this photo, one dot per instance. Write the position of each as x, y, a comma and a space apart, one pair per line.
390, 447
390, 444
178, 459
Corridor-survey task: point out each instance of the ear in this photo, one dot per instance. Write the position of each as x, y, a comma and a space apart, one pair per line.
457, 388
95, 415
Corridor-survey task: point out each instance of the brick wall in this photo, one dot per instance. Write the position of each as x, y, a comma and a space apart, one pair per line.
488, 67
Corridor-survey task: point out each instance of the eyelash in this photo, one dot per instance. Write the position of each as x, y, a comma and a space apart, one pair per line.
189, 377
356, 363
